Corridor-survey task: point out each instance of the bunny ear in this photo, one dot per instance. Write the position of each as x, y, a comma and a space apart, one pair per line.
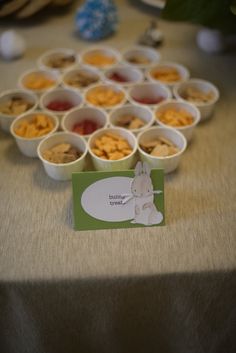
138, 169
146, 168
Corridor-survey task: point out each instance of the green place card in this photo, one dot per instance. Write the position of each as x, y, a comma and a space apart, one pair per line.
120, 199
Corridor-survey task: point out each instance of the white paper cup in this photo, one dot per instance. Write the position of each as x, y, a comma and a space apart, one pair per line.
7, 119
154, 92
63, 171
78, 115
113, 165
48, 61
61, 94
142, 112
169, 163
132, 55
68, 78
106, 86
187, 130
23, 81
88, 55
206, 109
28, 146
181, 69
131, 75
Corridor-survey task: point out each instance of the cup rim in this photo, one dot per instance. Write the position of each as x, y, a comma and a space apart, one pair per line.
83, 155
130, 105
161, 128
142, 48
197, 81
92, 69
51, 73
47, 53
126, 67
196, 117
24, 115
106, 84
149, 83
66, 116
101, 47
60, 89
181, 67
19, 91
112, 129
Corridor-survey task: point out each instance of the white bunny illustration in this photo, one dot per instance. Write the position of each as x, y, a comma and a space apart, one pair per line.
145, 211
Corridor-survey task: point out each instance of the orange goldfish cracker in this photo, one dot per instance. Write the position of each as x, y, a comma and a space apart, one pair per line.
39, 125
99, 59
37, 81
166, 74
104, 96
111, 146
175, 117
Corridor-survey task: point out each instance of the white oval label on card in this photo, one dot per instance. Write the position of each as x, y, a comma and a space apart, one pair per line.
109, 199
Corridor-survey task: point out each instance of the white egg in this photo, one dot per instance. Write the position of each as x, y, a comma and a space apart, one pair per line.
12, 45
211, 41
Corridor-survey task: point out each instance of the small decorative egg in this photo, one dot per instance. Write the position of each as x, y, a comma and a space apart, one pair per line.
211, 41
12, 45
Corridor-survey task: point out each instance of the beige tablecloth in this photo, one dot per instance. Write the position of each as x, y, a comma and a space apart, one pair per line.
161, 289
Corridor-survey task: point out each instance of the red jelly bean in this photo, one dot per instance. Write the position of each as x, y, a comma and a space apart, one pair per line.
115, 76
148, 100
85, 127
59, 105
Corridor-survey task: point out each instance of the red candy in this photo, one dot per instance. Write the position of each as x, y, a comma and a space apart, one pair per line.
115, 76
147, 100
60, 106
85, 127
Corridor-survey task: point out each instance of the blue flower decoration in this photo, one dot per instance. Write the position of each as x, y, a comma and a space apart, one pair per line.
96, 19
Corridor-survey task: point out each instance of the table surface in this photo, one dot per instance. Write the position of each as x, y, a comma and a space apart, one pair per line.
37, 239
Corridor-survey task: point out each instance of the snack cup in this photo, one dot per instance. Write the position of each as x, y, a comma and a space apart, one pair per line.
141, 112
28, 146
88, 57
131, 74
55, 54
7, 119
113, 165
150, 55
150, 91
63, 171
61, 94
169, 163
71, 74
181, 69
206, 109
39, 89
113, 87
187, 130
77, 115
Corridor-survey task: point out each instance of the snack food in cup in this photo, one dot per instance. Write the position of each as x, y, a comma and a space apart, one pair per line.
38, 80
161, 147
168, 73
30, 128
58, 59
132, 117
14, 103
60, 101
203, 94
112, 149
107, 96
140, 56
62, 154
84, 120
100, 57
149, 93
182, 116
80, 78
124, 75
